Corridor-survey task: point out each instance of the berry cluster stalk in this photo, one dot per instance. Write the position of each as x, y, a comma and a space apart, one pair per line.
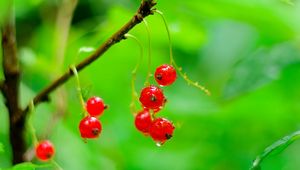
172, 61
78, 87
134, 94
30, 127
147, 83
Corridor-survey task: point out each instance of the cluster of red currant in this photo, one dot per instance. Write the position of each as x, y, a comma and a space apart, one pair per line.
152, 97
90, 126
153, 100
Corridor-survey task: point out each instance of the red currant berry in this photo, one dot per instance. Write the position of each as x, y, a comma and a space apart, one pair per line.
95, 106
44, 150
90, 127
165, 75
152, 97
161, 130
143, 121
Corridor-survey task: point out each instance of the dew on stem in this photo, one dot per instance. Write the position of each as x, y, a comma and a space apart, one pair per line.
158, 144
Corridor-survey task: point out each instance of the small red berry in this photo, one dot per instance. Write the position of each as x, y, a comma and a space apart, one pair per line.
143, 121
95, 106
165, 75
90, 127
152, 97
44, 150
161, 130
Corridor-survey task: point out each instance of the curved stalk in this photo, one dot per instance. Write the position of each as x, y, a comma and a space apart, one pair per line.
134, 94
172, 61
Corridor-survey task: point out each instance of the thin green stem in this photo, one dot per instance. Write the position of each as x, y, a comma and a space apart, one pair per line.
79, 92
172, 61
56, 165
169, 36
133, 89
149, 52
29, 124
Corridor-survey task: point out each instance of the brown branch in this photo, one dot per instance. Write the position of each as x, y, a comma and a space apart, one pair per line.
10, 87
145, 9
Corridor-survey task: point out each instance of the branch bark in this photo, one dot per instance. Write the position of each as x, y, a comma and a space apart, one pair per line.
145, 9
10, 87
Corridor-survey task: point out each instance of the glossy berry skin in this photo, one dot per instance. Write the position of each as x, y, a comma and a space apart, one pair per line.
95, 106
152, 97
165, 75
161, 130
143, 121
44, 150
90, 127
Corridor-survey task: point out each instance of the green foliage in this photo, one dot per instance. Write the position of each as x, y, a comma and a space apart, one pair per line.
24, 166
28, 166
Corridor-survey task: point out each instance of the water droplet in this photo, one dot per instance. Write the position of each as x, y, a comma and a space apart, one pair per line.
158, 144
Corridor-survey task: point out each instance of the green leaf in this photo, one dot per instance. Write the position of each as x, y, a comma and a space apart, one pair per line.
24, 166
28, 166
275, 148
86, 50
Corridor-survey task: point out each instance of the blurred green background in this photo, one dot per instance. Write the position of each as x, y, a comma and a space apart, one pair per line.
247, 53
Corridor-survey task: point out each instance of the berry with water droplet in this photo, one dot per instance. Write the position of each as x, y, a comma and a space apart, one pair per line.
44, 150
143, 121
90, 127
152, 97
161, 130
95, 106
165, 75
